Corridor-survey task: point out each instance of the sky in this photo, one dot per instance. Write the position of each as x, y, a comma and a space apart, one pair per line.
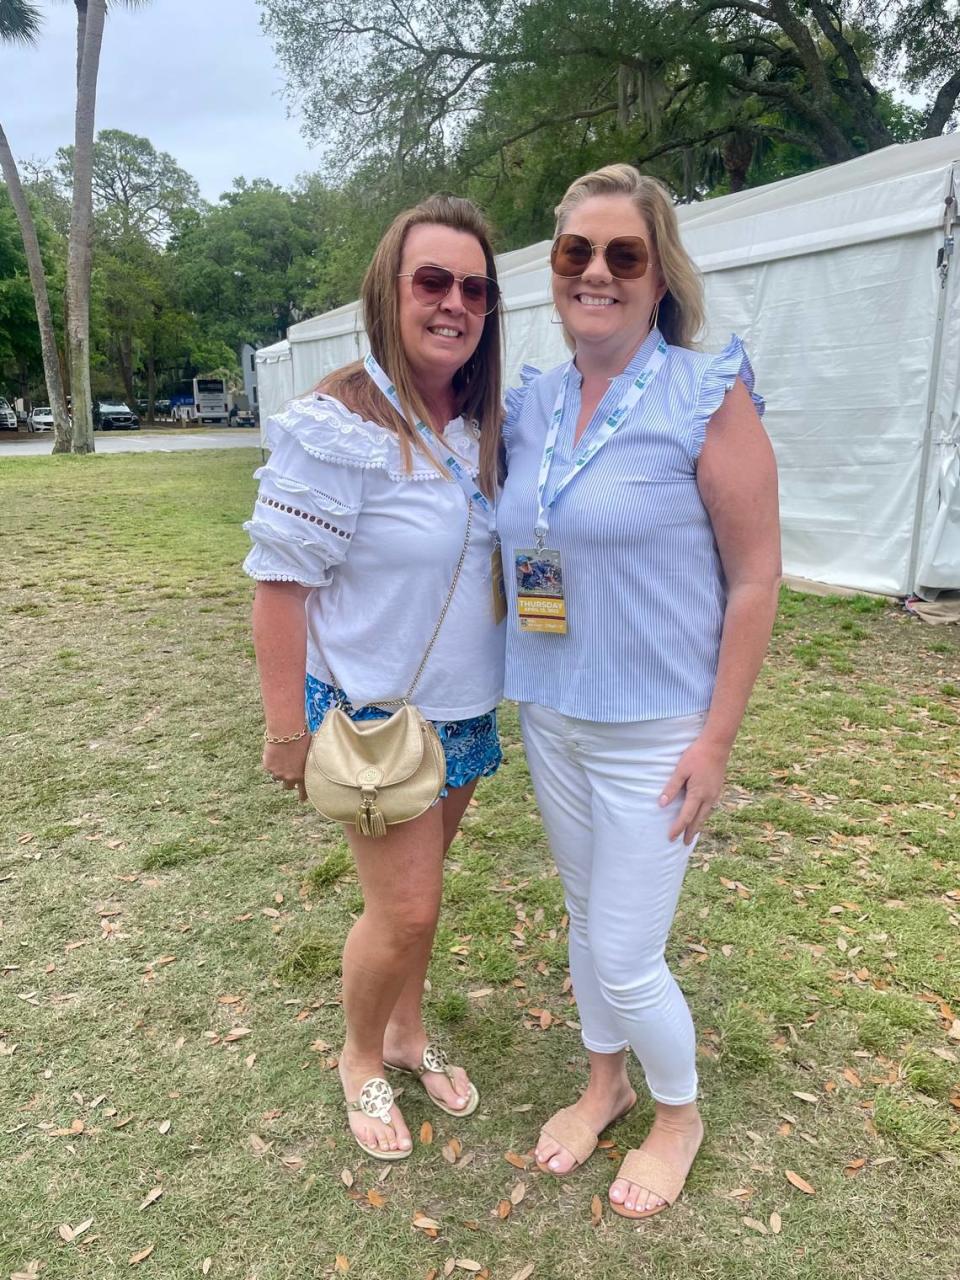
196, 77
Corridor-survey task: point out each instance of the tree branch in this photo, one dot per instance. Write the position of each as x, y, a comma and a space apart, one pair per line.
943, 107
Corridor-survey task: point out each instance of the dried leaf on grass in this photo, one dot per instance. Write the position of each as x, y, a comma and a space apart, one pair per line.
800, 1183
776, 1223
164, 1126
504, 1209
141, 1255
68, 1234
805, 1097
426, 1133
518, 1192
452, 1151
258, 1146
853, 1168
423, 1223
346, 1177
524, 1273
518, 1162
468, 1264
342, 1263
376, 1198
755, 1225
153, 1195
205, 1266
596, 1213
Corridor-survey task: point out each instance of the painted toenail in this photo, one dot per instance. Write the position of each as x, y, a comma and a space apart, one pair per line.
554, 1164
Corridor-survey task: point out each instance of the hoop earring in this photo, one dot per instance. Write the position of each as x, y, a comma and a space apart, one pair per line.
557, 314
655, 315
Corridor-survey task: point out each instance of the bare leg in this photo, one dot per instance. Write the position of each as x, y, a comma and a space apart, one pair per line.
675, 1137
401, 875
608, 1095
406, 1036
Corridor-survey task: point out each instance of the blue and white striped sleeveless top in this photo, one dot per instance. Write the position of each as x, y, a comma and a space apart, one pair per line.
644, 584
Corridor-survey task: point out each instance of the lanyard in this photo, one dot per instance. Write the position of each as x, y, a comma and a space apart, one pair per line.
451, 462
611, 425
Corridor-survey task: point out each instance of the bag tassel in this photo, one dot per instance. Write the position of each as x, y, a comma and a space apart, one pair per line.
370, 821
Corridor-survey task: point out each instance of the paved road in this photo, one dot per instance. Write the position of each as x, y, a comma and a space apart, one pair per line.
147, 440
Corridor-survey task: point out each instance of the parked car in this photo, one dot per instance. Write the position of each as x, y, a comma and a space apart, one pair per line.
8, 419
109, 415
40, 419
162, 407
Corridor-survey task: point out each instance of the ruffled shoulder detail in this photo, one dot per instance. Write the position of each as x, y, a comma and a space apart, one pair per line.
328, 430
516, 397
718, 376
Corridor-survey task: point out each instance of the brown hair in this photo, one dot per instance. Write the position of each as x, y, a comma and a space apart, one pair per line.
476, 384
681, 312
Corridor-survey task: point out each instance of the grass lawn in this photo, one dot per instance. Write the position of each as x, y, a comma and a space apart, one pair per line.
170, 928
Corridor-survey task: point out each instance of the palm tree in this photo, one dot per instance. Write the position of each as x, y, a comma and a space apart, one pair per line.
90, 20
20, 22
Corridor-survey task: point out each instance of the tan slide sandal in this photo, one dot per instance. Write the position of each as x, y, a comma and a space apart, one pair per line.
375, 1101
655, 1175
434, 1059
575, 1136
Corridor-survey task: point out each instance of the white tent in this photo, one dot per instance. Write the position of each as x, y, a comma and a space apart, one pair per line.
842, 285
274, 380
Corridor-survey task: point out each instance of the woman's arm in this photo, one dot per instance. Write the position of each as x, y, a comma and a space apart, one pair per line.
737, 479
280, 641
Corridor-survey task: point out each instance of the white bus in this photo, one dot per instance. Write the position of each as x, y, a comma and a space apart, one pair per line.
210, 403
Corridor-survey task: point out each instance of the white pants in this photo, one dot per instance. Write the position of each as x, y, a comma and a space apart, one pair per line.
598, 787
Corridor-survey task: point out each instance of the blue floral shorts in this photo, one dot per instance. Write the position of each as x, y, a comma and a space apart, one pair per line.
472, 747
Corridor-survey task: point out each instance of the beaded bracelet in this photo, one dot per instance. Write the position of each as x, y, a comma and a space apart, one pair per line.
290, 737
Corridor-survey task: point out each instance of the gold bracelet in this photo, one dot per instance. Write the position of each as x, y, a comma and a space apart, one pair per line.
290, 737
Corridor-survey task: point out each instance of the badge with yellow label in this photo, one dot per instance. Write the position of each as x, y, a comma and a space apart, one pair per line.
540, 600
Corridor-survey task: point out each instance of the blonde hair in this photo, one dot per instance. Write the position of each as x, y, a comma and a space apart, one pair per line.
681, 312
476, 384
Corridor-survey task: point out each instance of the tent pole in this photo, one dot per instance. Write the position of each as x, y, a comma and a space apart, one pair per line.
944, 259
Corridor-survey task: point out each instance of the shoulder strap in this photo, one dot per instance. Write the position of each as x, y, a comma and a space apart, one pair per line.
398, 702
446, 603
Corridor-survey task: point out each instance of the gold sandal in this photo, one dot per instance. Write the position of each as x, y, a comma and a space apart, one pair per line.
375, 1101
434, 1059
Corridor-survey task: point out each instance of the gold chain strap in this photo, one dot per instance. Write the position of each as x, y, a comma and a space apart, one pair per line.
446, 604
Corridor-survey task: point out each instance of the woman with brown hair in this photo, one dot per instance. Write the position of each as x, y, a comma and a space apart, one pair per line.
377, 488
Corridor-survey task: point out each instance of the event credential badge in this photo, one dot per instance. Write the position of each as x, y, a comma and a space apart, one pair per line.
540, 601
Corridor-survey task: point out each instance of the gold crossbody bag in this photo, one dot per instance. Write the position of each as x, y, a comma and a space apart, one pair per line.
376, 773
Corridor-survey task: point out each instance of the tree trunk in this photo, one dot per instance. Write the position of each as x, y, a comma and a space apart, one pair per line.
151, 388
91, 14
125, 361
38, 281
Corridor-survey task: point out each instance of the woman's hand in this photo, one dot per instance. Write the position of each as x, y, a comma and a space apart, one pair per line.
285, 762
699, 773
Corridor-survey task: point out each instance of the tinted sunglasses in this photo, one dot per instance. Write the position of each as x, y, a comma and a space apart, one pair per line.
626, 256
431, 285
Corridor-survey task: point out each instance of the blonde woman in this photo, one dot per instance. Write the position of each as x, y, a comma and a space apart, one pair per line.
640, 474
365, 505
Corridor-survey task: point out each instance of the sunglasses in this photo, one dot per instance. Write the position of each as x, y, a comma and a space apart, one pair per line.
431, 285
626, 256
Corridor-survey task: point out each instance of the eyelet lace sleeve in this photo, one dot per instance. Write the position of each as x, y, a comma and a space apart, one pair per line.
304, 516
